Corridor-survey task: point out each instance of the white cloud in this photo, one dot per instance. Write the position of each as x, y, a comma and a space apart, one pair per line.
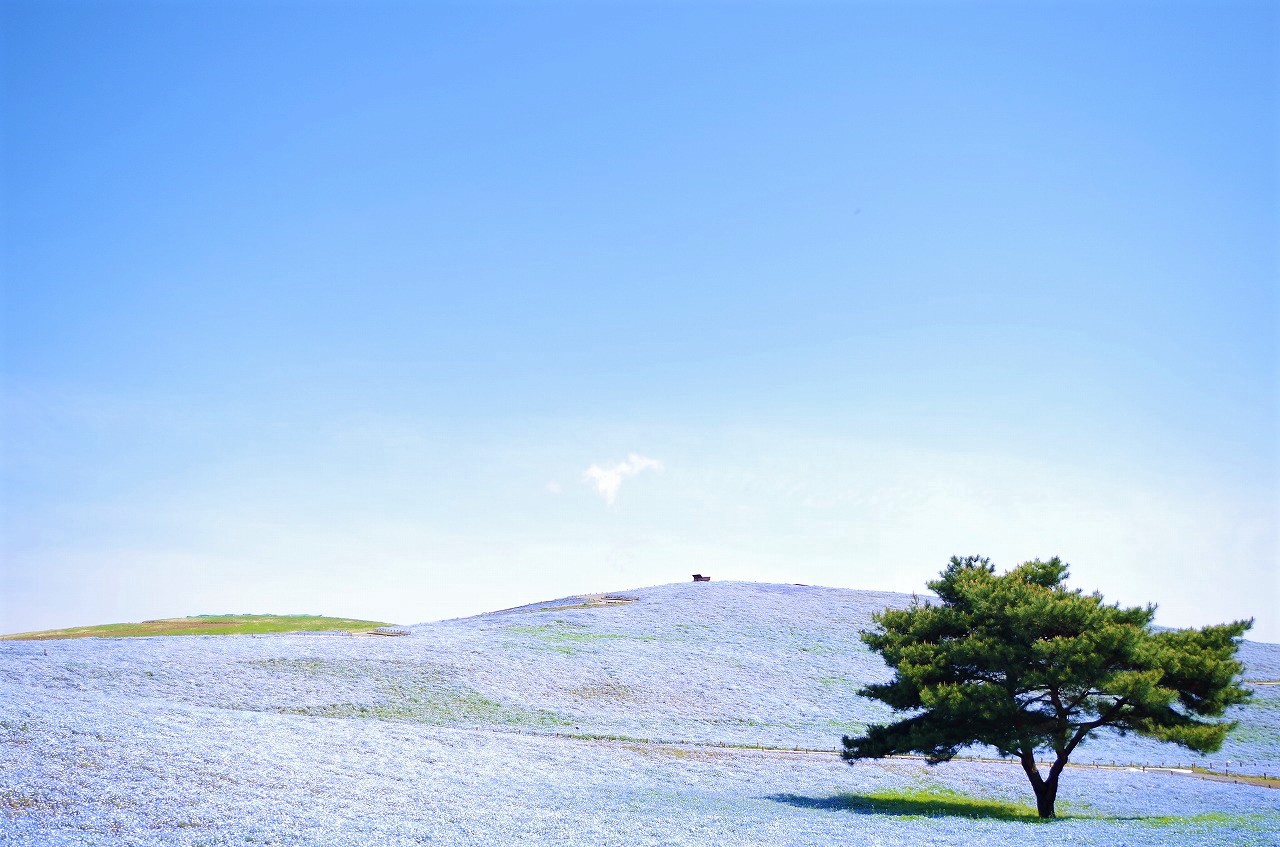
553, 487
607, 480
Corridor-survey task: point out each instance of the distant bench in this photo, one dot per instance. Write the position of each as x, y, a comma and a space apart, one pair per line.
700, 578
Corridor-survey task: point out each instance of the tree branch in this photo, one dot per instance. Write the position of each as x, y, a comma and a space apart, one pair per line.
1085, 728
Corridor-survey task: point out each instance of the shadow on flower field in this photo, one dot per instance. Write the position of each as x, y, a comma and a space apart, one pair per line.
953, 804
920, 804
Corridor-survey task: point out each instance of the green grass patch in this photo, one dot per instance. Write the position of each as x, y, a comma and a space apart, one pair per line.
602, 601
600, 736
565, 637
917, 803
1197, 825
839, 682
1266, 699
205, 625
440, 706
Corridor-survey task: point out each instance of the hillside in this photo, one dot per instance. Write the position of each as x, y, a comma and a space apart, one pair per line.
710, 663
638, 698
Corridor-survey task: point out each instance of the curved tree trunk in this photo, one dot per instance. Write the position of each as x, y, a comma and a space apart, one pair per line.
1046, 789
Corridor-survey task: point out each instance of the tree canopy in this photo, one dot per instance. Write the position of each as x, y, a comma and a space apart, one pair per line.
1020, 662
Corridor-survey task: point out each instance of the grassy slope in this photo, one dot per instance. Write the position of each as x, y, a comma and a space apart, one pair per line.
204, 625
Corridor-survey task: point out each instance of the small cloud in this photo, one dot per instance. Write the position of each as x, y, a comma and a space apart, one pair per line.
607, 480
553, 487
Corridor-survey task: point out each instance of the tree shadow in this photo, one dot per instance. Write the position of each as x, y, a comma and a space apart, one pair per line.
918, 805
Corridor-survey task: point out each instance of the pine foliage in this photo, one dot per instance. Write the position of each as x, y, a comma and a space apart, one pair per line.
1020, 662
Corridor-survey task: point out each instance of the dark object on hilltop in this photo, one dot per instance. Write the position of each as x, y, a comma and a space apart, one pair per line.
1022, 663
700, 578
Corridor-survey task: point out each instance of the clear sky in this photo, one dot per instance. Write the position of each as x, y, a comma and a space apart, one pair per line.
410, 311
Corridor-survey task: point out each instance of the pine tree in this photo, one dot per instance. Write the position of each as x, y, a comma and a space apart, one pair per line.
1020, 662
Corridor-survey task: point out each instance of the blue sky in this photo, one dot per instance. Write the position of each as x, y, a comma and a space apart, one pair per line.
327, 307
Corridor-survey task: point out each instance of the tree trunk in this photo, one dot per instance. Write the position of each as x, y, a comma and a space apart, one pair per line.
1046, 794
1046, 789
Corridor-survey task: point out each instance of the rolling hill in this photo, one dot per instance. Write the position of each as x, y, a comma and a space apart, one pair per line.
596, 719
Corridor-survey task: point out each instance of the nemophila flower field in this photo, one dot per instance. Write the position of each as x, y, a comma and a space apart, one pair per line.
572, 721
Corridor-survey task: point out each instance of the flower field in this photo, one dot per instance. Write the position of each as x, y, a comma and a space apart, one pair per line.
671, 719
